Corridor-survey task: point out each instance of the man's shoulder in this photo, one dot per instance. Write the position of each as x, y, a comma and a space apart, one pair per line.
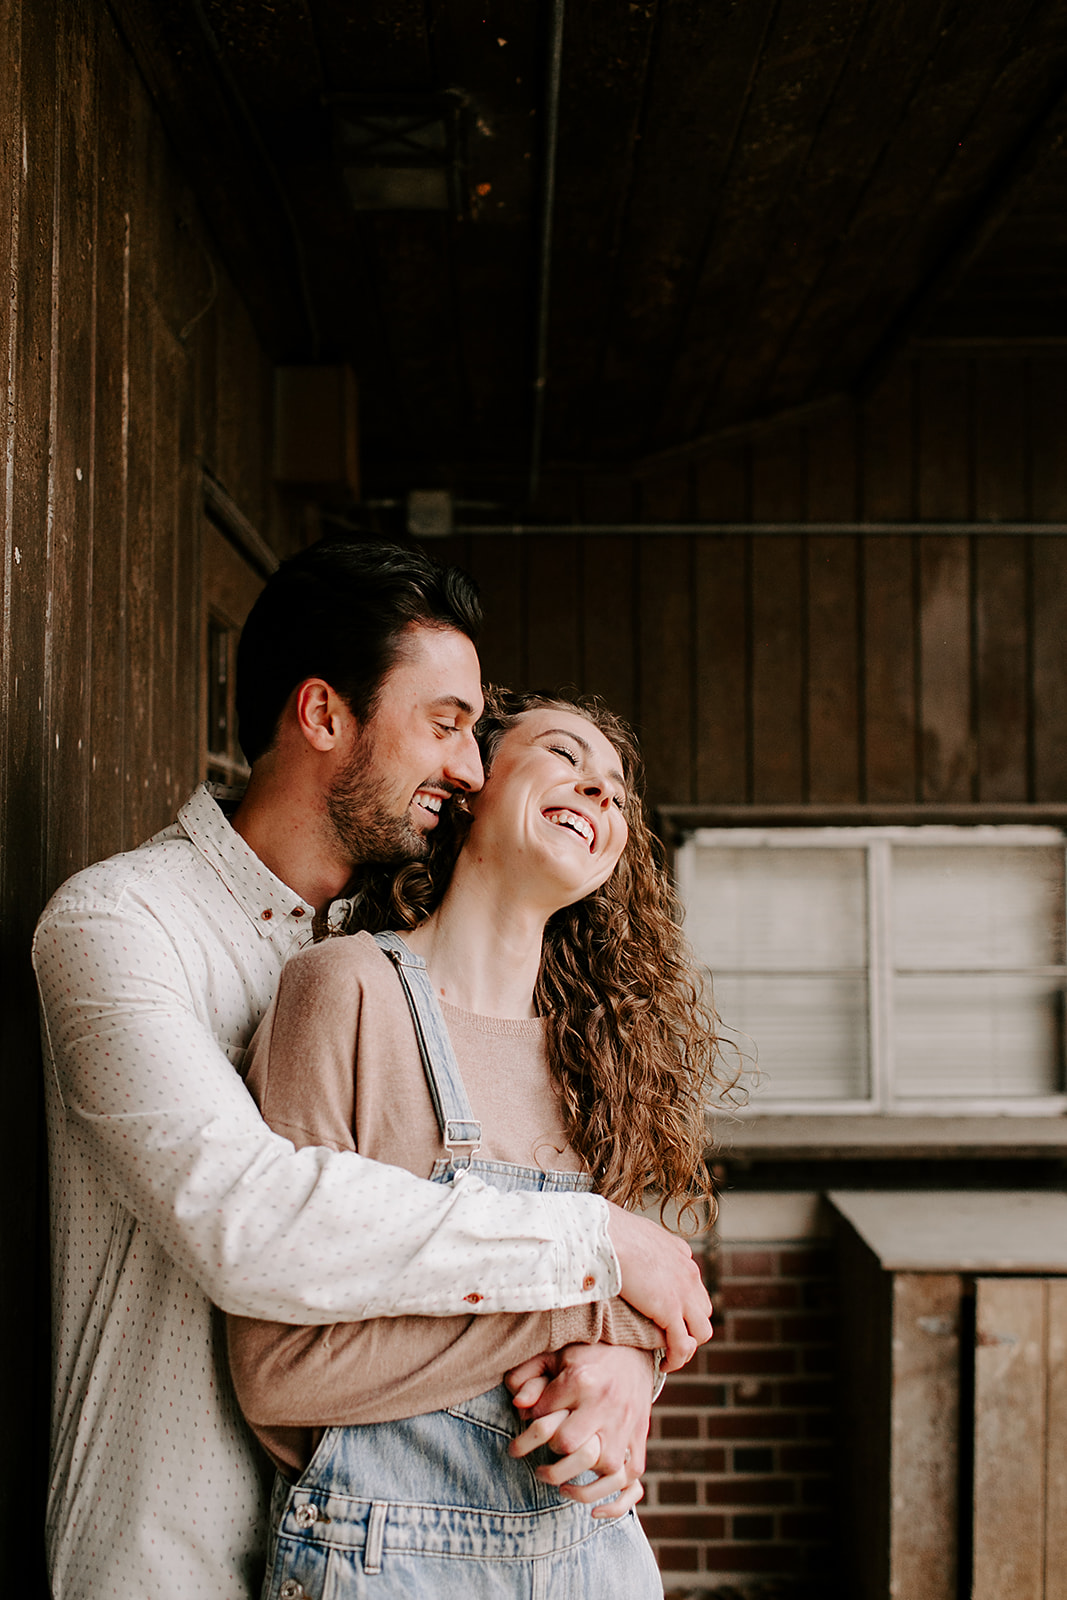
104, 883
181, 864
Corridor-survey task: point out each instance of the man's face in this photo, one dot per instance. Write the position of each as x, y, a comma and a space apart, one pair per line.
416, 750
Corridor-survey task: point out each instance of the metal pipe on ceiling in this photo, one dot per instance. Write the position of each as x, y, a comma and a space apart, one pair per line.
544, 276
765, 529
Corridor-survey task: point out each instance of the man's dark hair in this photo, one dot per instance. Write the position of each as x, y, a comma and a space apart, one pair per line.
338, 611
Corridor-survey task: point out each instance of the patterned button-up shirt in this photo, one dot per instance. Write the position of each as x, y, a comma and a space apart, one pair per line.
170, 1196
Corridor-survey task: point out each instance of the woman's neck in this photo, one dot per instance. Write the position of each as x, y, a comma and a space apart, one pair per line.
482, 950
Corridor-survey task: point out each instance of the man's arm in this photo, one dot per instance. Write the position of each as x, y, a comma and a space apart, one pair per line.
267, 1231
662, 1281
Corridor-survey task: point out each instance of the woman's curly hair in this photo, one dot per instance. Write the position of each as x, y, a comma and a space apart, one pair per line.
632, 1042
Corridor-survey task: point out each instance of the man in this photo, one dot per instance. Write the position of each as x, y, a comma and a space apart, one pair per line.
358, 689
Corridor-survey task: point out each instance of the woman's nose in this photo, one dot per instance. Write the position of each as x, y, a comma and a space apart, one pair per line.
596, 789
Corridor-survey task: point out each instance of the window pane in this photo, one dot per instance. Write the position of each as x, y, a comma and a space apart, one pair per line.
761, 908
998, 1036
810, 1034
978, 906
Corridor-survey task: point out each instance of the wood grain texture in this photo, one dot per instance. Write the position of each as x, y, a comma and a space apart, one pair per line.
723, 487
833, 671
609, 623
1048, 422
1050, 668
944, 430
1001, 678
1009, 1439
496, 565
833, 472
924, 1476
999, 409
67, 685
1055, 1574
143, 802
889, 669
552, 579
723, 721
665, 702
947, 747
26, 106
888, 450
107, 787
778, 670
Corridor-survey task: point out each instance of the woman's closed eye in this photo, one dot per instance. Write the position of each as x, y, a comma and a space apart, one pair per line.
564, 751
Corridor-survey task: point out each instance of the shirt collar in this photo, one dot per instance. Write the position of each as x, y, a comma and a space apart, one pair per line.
267, 902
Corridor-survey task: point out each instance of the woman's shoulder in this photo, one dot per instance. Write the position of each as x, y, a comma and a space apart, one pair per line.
351, 956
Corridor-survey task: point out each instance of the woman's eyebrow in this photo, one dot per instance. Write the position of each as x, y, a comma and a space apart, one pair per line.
583, 744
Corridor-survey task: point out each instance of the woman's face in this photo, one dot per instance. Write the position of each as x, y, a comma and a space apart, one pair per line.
552, 809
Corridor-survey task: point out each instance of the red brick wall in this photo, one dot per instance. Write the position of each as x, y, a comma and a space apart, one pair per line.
740, 1488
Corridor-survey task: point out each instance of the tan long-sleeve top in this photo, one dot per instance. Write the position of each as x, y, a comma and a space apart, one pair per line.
335, 1062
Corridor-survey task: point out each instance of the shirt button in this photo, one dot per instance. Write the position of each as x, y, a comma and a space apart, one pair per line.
473, 1299
265, 916
589, 1282
298, 911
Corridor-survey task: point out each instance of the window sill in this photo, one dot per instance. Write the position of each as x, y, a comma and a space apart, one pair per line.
820, 1138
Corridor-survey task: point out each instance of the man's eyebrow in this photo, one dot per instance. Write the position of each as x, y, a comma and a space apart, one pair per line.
583, 745
453, 702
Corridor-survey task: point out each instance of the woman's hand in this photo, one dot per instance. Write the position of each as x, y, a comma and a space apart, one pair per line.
590, 1403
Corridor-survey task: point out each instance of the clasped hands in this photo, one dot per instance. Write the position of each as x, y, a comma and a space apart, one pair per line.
591, 1404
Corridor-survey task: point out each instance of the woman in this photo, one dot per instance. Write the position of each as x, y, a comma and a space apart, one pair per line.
551, 967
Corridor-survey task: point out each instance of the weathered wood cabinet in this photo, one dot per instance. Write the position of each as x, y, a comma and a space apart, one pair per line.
954, 1447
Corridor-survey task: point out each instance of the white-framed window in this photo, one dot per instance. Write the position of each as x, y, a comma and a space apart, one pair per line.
907, 970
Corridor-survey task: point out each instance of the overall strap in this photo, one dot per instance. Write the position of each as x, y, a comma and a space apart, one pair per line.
461, 1133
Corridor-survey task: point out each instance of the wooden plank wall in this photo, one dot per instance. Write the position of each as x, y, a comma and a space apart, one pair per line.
1020, 1439
815, 668
114, 394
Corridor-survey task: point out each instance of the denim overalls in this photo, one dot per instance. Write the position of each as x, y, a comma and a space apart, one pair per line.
434, 1506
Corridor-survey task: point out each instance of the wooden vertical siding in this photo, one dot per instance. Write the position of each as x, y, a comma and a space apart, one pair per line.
115, 394
814, 668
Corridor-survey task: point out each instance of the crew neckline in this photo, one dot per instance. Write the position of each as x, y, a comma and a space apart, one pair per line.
509, 1027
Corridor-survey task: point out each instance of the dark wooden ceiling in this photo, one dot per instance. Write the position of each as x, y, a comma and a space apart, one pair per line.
757, 202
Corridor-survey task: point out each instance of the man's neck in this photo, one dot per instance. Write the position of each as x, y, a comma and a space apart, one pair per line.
289, 832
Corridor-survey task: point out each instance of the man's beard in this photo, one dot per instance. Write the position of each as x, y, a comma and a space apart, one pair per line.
363, 824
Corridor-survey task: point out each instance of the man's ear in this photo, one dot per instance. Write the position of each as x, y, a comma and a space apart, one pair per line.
321, 715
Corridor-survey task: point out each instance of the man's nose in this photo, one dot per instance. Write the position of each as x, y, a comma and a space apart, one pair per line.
464, 764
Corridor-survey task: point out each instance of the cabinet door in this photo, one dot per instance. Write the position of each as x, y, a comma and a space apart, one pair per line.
1020, 1471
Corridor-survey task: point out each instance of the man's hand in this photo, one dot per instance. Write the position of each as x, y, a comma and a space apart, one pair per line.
590, 1403
662, 1281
